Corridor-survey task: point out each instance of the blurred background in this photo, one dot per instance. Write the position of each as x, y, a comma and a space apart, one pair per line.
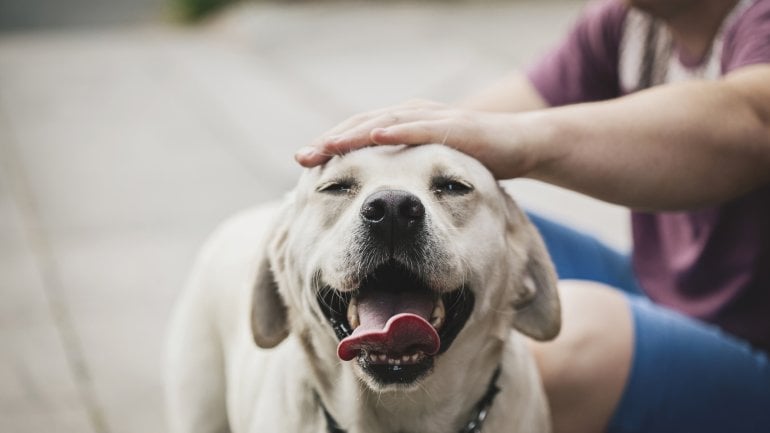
129, 128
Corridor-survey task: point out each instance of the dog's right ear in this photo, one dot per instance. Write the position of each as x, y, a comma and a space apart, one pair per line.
269, 315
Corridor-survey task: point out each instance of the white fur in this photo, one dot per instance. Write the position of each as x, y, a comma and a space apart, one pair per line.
218, 380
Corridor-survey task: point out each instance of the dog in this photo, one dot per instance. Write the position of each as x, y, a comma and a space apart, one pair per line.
383, 295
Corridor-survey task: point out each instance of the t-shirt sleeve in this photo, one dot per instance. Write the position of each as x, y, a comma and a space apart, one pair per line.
585, 66
747, 41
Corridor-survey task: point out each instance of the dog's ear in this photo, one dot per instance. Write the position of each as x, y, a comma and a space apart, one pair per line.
269, 315
537, 312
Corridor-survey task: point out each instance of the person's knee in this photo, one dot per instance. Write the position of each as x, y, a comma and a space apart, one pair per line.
597, 329
585, 368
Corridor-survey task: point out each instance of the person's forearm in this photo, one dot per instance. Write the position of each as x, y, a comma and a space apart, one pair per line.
672, 147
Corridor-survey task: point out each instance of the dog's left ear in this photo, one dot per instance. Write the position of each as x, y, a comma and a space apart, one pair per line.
537, 312
269, 315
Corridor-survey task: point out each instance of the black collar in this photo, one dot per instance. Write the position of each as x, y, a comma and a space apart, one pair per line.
480, 412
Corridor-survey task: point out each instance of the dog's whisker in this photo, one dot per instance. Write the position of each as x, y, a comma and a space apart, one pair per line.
425, 390
446, 136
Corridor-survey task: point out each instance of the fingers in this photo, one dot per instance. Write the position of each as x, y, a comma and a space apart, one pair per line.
357, 131
417, 132
380, 115
309, 156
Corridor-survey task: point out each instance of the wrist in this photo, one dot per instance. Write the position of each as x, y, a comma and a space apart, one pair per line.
532, 146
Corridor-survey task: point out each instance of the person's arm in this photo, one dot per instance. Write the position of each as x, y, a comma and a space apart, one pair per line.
670, 147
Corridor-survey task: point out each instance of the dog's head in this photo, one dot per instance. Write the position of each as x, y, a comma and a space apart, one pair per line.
388, 254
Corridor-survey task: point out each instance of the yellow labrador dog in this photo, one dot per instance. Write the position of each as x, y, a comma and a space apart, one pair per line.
380, 297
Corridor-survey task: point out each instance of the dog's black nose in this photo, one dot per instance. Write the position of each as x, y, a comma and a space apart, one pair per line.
393, 215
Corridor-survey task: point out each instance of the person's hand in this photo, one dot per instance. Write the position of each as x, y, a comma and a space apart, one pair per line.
492, 138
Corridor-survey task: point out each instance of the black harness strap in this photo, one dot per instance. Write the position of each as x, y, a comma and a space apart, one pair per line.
483, 406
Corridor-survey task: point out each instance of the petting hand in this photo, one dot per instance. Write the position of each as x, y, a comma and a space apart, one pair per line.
492, 138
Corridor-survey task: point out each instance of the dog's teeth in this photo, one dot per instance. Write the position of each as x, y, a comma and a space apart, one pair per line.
373, 357
406, 358
391, 361
438, 314
383, 357
353, 313
397, 361
415, 357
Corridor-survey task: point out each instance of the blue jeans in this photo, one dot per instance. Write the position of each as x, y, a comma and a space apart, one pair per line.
686, 375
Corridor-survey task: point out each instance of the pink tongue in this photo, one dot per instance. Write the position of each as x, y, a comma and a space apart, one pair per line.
393, 324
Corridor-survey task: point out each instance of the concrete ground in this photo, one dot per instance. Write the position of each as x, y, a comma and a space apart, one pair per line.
120, 149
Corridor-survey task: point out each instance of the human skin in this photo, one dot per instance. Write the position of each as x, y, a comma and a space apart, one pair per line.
677, 146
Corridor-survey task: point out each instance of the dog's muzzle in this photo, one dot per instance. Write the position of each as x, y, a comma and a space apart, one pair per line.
394, 323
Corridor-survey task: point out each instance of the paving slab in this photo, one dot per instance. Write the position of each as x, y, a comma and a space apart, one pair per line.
118, 136
38, 373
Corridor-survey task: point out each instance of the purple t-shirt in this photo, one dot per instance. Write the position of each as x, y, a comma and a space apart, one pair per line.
714, 263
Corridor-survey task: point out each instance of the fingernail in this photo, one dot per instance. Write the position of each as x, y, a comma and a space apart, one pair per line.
379, 131
306, 151
306, 156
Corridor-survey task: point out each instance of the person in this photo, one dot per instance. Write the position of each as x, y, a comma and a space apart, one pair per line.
662, 106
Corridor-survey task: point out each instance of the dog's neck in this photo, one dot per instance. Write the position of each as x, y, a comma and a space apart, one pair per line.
449, 398
474, 424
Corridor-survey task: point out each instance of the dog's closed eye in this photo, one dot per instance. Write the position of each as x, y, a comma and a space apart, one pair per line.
339, 186
450, 185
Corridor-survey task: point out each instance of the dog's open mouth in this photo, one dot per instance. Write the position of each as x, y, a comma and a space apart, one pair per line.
394, 324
